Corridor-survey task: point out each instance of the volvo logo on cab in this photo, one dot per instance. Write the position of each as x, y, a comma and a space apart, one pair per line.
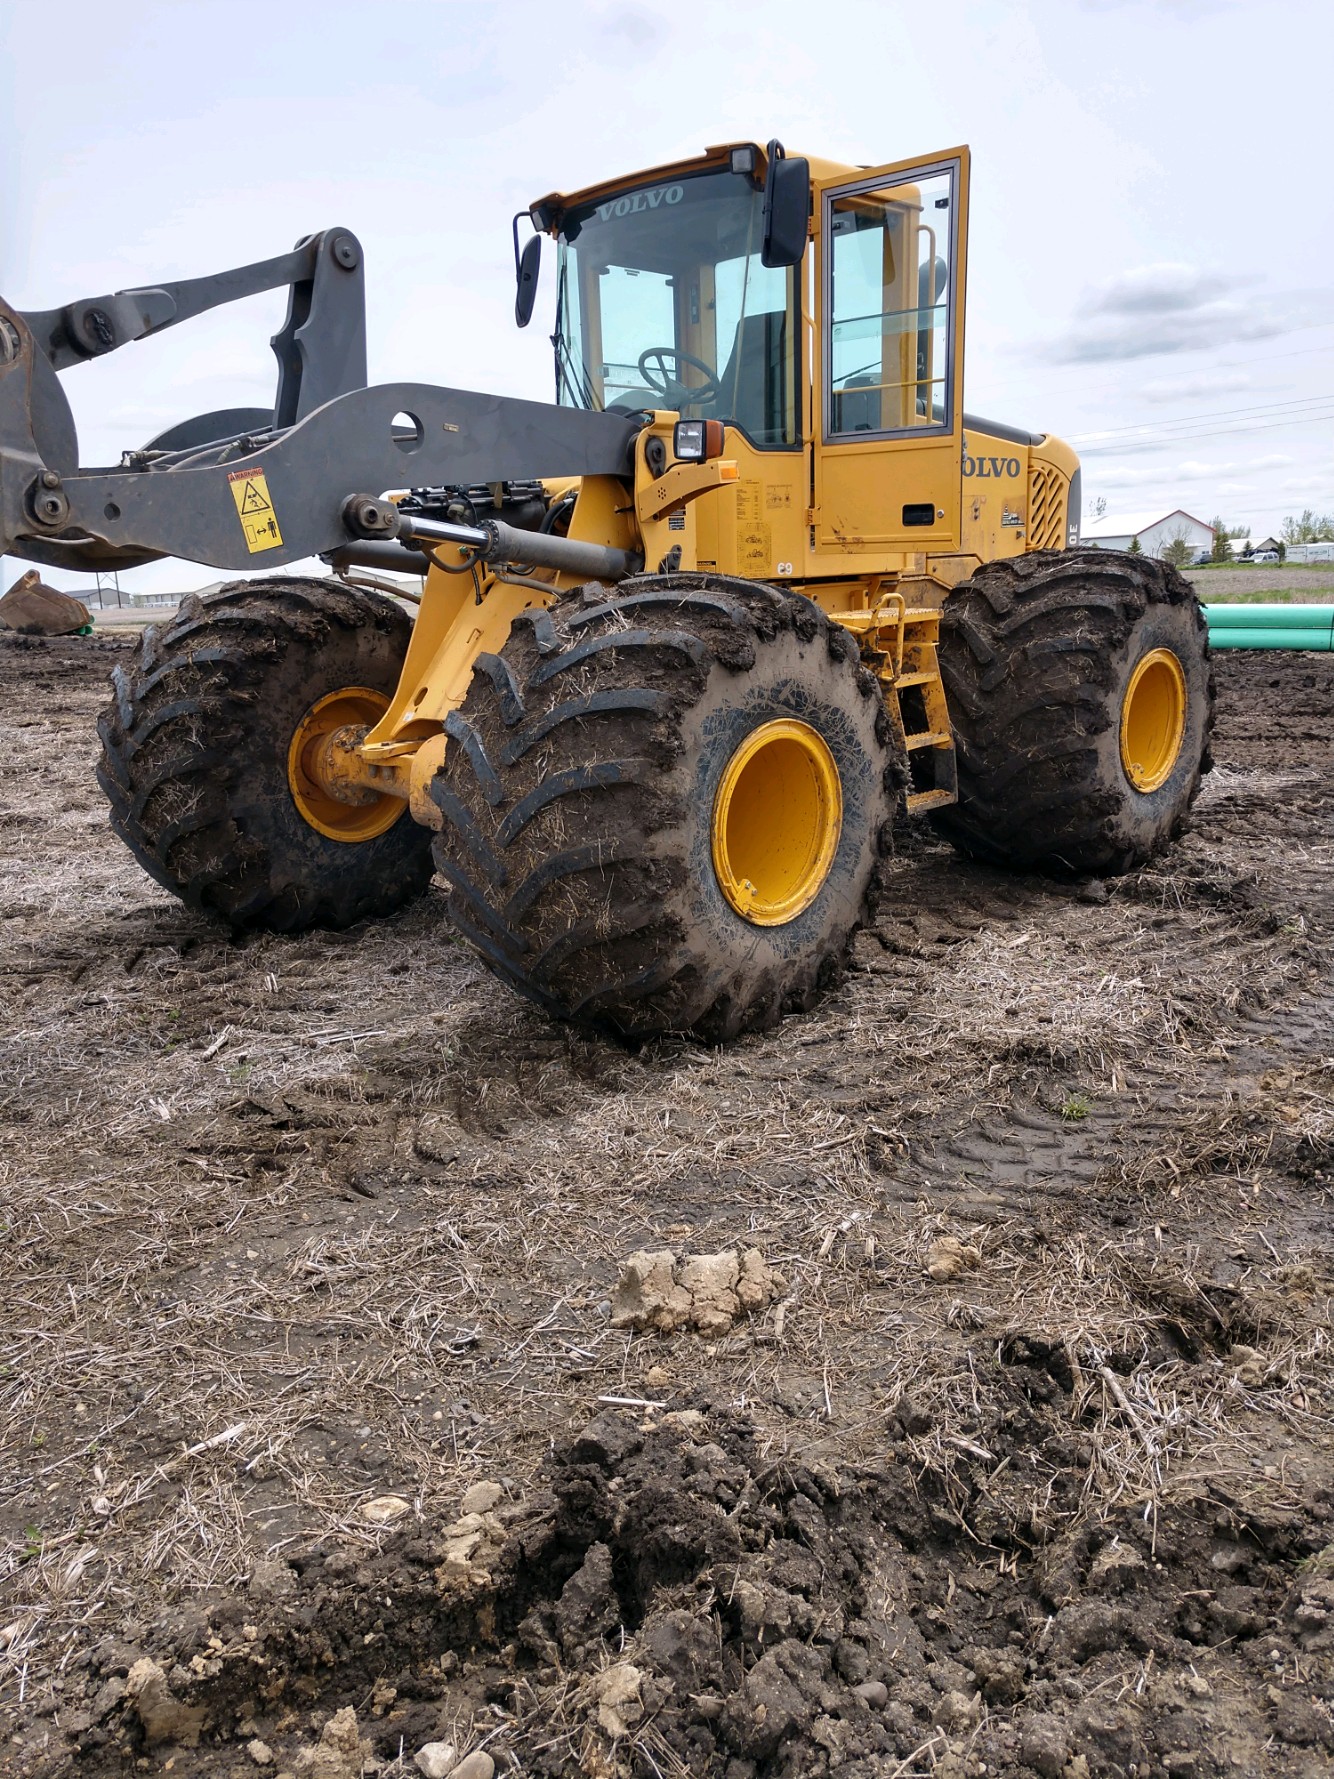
987, 467
640, 200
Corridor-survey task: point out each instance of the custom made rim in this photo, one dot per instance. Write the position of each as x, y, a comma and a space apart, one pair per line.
1153, 719
777, 818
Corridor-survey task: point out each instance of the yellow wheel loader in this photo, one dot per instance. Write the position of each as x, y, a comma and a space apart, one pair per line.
691, 639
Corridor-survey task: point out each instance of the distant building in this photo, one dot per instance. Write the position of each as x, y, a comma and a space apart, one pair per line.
1321, 552
1152, 531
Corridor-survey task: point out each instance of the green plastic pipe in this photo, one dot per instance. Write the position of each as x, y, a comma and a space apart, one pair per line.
1272, 617
1271, 627
1319, 641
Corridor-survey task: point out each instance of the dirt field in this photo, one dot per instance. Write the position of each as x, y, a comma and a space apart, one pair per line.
1303, 583
1027, 1470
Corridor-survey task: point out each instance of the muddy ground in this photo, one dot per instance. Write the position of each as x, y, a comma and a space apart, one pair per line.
1028, 1469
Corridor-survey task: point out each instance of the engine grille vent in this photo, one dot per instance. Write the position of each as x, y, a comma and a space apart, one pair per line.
1046, 508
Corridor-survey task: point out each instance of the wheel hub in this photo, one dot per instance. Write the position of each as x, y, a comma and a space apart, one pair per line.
777, 818
1153, 719
324, 771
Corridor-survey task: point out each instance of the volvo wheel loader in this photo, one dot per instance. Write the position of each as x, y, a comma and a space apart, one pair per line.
691, 639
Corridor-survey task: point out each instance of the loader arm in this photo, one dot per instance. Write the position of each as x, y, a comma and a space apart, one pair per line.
255, 488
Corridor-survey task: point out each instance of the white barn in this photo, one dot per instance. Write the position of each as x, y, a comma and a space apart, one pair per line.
1153, 530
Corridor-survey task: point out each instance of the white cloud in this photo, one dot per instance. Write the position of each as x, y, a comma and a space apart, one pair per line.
1201, 388
1166, 288
1191, 470
1171, 307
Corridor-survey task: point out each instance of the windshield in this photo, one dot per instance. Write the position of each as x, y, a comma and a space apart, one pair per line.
664, 304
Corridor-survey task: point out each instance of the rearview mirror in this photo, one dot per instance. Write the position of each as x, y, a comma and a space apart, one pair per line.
787, 208
530, 261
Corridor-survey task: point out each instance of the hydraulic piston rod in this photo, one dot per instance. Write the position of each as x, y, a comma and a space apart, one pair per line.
490, 540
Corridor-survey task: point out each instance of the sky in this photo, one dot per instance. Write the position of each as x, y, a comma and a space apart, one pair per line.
1151, 271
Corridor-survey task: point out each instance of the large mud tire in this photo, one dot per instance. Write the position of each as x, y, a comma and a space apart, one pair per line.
1037, 654
195, 749
577, 795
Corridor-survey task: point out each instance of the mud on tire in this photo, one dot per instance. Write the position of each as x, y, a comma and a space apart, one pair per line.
578, 787
195, 746
1036, 655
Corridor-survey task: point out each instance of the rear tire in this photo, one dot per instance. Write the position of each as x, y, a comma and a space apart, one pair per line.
1039, 656
195, 749
579, 790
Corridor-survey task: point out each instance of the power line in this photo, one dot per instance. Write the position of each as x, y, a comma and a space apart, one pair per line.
1216, 432
1306, 401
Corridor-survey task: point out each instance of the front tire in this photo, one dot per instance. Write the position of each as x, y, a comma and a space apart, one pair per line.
664, 808
196, 756
1082, 701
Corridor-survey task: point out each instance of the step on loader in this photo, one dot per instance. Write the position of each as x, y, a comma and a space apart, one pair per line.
691, 639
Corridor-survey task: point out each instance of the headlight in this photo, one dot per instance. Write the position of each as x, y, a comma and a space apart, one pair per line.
697, 441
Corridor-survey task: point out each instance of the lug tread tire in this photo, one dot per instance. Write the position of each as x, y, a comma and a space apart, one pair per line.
194, 760
567, 788
1034, 654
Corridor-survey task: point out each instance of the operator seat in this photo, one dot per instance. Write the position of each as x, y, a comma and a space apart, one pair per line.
754, 379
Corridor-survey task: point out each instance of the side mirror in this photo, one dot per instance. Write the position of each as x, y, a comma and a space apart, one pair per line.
787, 208
530, 262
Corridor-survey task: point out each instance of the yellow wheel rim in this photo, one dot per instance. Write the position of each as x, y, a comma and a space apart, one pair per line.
777, 818
338, 817
1153, 719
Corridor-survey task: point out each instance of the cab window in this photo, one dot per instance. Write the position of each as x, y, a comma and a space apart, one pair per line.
889, 299
664, 304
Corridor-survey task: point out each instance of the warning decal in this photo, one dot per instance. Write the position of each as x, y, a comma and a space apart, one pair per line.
752, 532
250, 491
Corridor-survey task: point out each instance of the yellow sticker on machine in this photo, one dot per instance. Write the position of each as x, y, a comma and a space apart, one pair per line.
250, 491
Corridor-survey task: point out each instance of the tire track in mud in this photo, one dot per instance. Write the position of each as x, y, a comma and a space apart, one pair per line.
1025, 1152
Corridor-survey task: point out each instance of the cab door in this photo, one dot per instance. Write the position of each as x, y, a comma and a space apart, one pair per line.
891, 260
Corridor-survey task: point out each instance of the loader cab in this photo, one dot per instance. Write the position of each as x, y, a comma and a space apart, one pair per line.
849, 360
664, 302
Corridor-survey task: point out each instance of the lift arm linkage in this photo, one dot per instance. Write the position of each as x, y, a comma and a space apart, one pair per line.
255, 488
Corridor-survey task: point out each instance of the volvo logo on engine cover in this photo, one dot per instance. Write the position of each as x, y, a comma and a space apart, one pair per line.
986, 467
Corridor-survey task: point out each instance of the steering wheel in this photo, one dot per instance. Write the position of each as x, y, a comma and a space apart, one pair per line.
653, 369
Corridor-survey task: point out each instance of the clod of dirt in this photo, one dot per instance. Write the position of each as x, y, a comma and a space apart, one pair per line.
482, 1497
478, 1765
436, 1759
1310, 1605
471, 1543
1252, 1366
340, 1752
384, 1508
617, 1693
1044, 1745
260, 1753
164, 1718
706, 1292
588, 1608
947, 1257
35, 609
958, 1712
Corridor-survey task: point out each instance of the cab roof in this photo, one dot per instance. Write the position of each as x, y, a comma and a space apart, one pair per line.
547, 211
